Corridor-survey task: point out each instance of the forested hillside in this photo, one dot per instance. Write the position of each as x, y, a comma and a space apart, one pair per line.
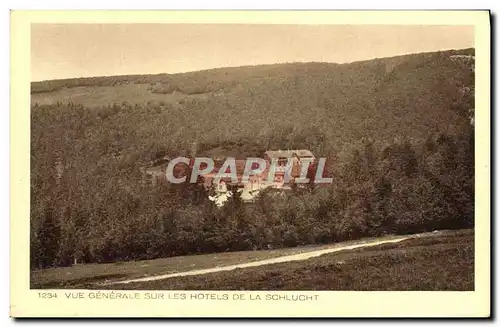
397, 133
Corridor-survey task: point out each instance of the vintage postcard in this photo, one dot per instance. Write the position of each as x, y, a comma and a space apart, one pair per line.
250, 164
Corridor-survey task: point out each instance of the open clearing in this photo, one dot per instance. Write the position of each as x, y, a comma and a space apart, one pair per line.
434, 263
288, 258
96, 96
429, 261
81, 276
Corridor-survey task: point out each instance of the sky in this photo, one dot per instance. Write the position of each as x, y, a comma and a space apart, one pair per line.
84, 50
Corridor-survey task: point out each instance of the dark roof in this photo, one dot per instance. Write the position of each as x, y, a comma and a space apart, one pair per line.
289, 153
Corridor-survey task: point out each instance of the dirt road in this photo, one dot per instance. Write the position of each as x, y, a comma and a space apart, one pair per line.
294, 257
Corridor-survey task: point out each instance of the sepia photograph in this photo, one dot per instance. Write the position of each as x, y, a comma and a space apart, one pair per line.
251, 157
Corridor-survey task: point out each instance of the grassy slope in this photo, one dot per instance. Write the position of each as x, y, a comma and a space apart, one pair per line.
84, 275
407, 265
443, 263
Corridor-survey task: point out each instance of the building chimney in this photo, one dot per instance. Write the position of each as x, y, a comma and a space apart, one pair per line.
194, 148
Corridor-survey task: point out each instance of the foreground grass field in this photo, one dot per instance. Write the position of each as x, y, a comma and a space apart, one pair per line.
81, 276
441, 263
444, 261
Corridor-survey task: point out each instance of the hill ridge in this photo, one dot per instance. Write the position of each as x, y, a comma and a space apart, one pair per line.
466, 50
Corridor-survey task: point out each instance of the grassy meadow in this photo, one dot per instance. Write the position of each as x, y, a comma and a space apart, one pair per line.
434, 261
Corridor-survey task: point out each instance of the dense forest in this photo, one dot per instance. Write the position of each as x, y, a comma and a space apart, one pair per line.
397, 133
